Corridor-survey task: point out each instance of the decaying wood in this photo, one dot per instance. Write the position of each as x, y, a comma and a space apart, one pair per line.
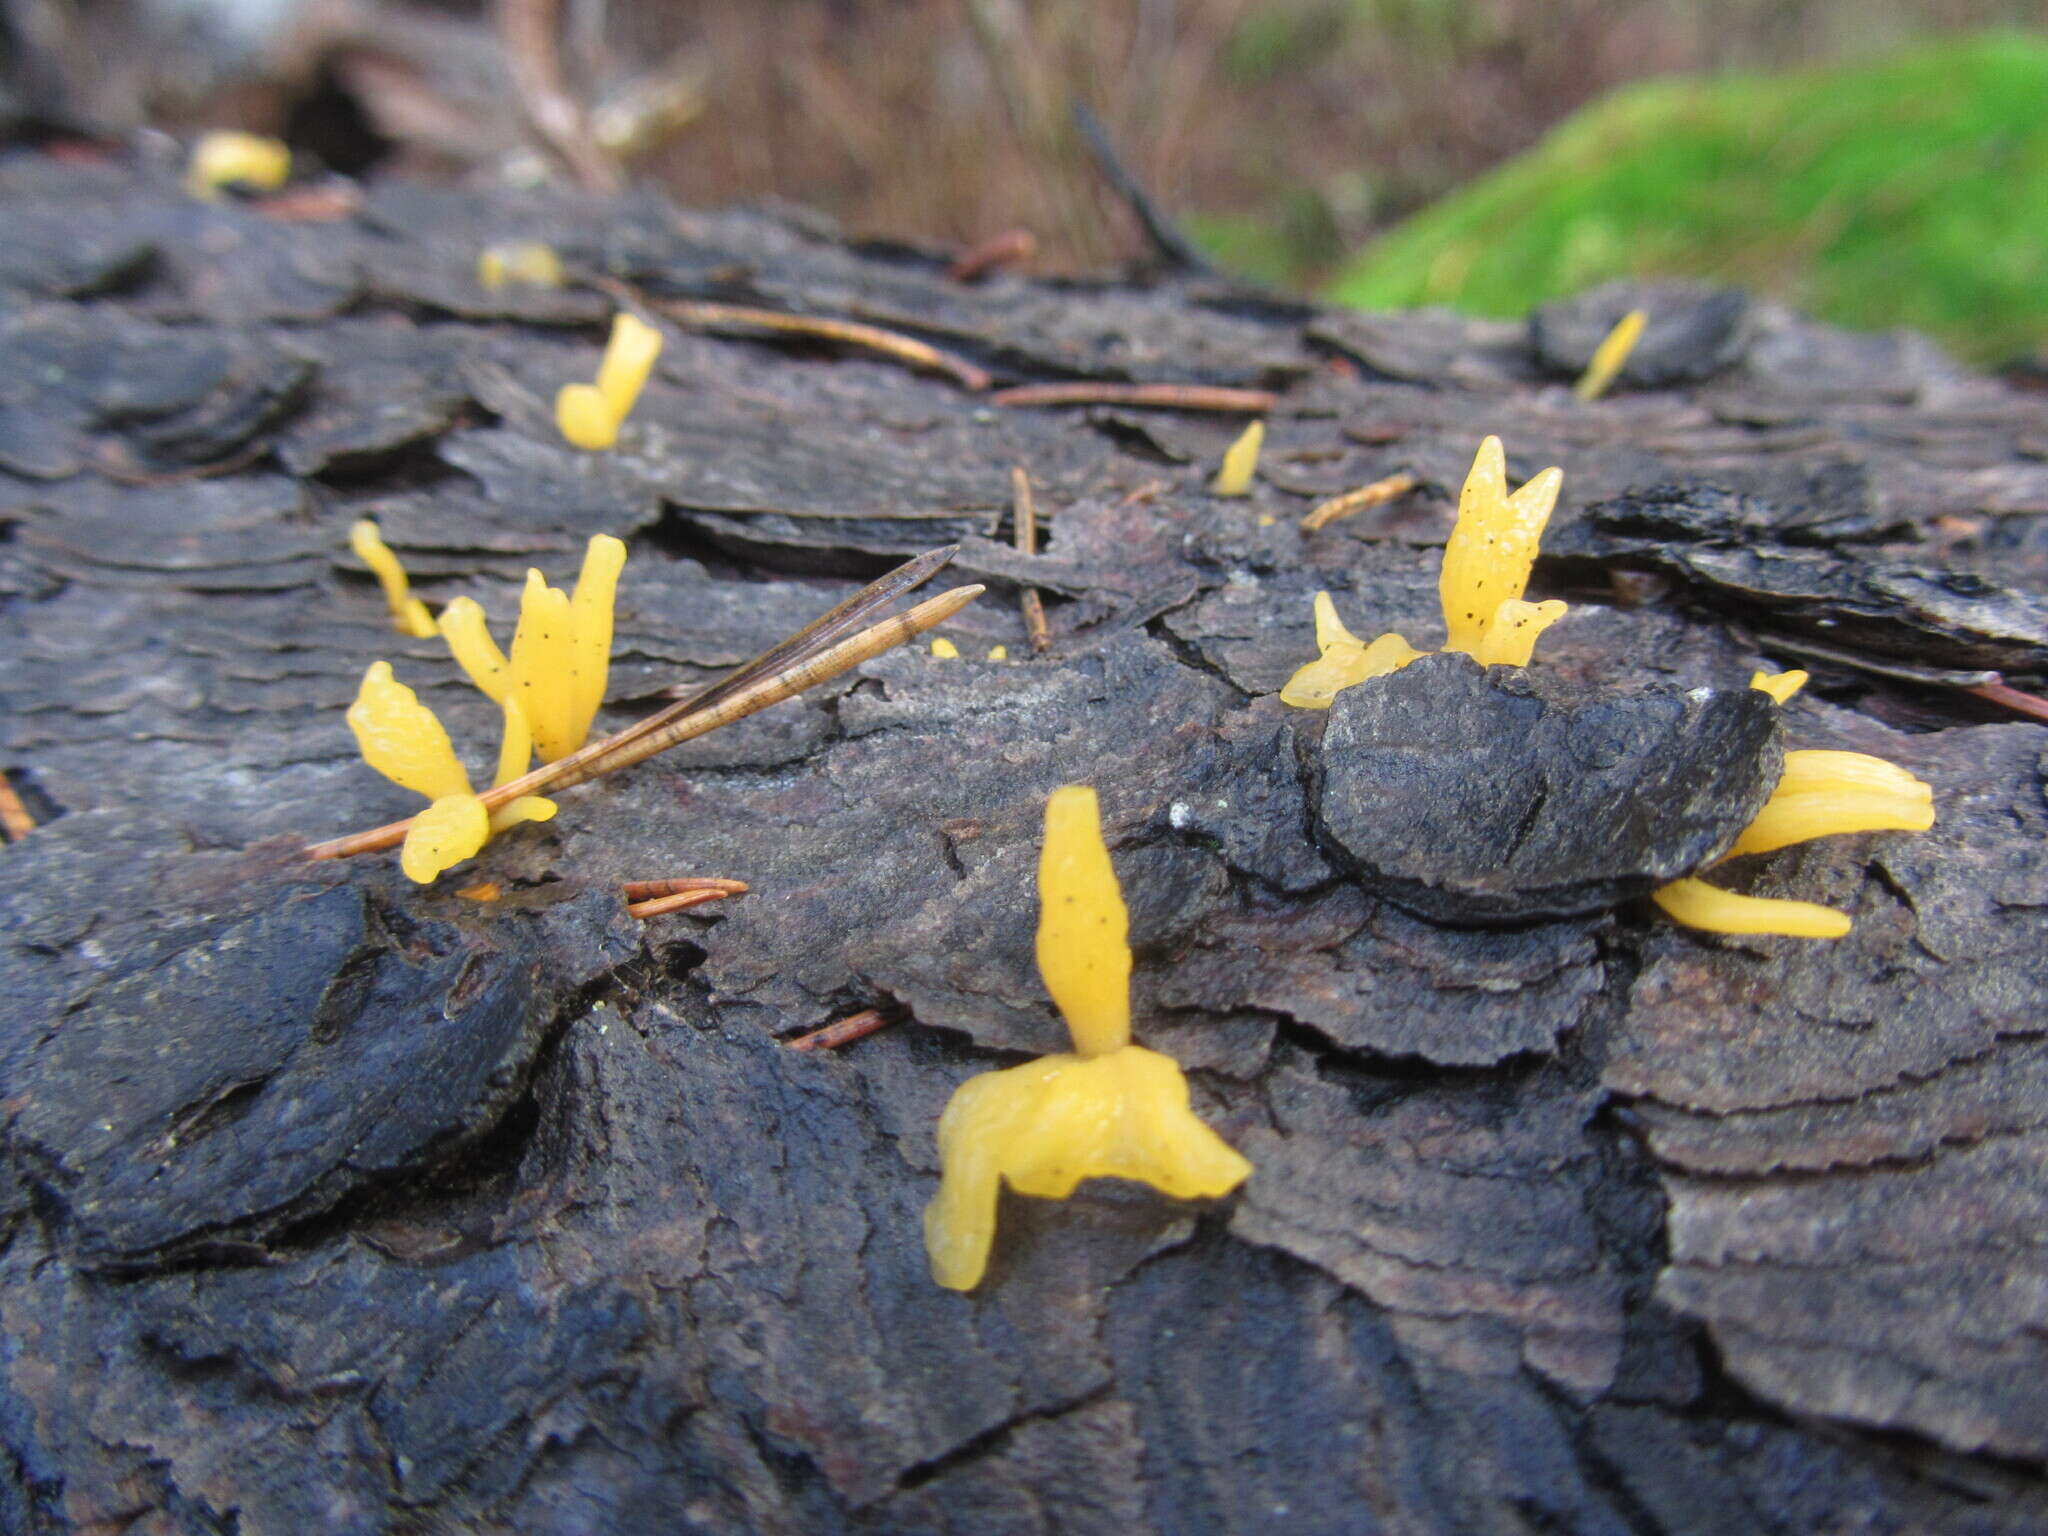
334, 1203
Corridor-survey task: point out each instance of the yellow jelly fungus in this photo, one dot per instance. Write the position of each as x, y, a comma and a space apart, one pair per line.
1611, 356
519, 261
1819, 794
945, 649
408, 614
590, 415
1107, 1109
561, 650
1240, 460
225, 158
1345, 661
403, 740
1779, 685
1492, 548
999, 653
1485, 570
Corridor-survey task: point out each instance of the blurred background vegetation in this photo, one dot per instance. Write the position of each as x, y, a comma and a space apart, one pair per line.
1880, 162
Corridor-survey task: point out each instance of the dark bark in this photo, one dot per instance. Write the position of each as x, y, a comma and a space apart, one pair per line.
333, 1203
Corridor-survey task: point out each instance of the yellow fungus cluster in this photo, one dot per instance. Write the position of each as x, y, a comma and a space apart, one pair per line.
1485, 570
528, 262
225, 158
1819, 794
1240, 462
549, 689
1107, 1109
590, 415
409, 615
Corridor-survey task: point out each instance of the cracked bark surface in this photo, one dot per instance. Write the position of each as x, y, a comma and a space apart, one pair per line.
333, 1203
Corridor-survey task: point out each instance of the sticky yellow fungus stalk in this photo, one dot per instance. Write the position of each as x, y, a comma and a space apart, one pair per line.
944, 649
1485, 570
561, 650
1611, 356
527, 262
403, 740
1107, 1109
590, 415
224, 159
1819, 794
1240, 462
409, 615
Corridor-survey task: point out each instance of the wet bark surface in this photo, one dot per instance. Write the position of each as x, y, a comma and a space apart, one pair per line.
333, 1203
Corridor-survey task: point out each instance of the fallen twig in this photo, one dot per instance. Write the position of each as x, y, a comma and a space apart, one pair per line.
528, 28
1169, 397
2012, 698
1352, 502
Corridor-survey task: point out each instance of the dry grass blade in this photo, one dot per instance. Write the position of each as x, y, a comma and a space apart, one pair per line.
816, 654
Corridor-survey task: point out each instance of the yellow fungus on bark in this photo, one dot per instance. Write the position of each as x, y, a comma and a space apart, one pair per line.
1240, 462
945, 650
1611, 356
519, 261
561, 649
225, 158
403, 740
1700, 905
1485, 570
1779, 685
1107, 1109
409, 615
590, 415
999, 653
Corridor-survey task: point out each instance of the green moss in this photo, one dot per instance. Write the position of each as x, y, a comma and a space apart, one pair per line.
1905, 192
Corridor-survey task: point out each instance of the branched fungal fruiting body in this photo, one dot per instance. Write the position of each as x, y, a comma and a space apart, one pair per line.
561, 651
590, 415
409, 615
1819, 794
1485, 571
1107, 1109
1240, 462
225, 158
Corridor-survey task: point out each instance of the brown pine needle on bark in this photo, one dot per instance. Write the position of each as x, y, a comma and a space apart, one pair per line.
1352, 502
681, 901
1027, 543
1169, 397
648, 890
855, 1026
1004, 250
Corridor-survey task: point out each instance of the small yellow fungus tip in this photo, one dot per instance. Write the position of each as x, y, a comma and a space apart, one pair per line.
409, 615
1819, 794
945, 649
1486, 568
999, 653
1108, 1109
1611, 356
1779, 685
225, 158
1240, 462
590, 415
527, 262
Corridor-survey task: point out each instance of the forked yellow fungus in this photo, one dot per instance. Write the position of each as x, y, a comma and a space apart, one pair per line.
409, 615
1240, 461
561, 650
1611, 356
403, 740
225, 158
590, 415
519, 261
944, 649
1819, 794
1107, 1109
1485, 570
